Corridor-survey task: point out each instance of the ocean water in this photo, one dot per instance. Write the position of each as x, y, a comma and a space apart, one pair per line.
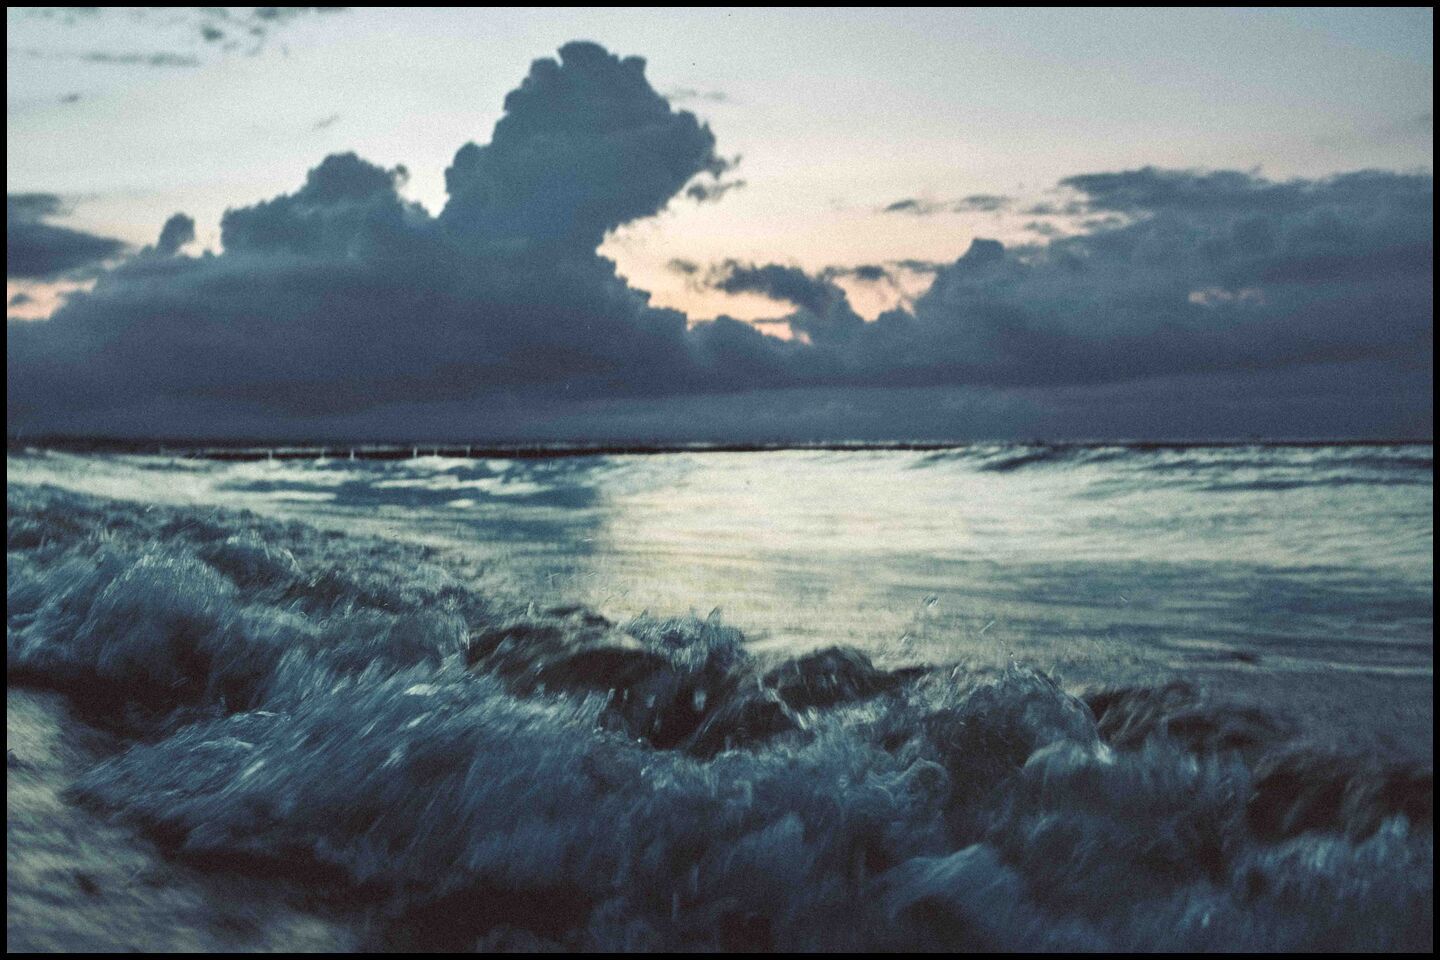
1004, 696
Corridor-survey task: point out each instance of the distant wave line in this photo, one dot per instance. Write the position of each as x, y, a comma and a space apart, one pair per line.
251, 449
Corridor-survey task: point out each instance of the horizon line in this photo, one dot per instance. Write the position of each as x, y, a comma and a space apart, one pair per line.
247, 449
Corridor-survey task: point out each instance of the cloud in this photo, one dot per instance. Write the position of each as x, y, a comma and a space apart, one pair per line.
1195, 273
69, 16
343, 296
1150, 190
1201, 272
702, 192
914, 265
346, 209
920, 208
344, 307
38, 250
1070, 208
142, 59
687, 94
1043, 228
823, 315
864, 273
113, 58
788, 284
975, 203
980, 203
245, 30
585, 145
178, 231
283, 14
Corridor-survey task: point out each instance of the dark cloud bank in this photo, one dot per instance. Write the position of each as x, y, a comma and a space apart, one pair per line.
1193, 304
38, 250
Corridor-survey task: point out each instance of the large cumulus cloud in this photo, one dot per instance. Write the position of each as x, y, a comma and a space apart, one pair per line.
343, 307
585, 145
342, 295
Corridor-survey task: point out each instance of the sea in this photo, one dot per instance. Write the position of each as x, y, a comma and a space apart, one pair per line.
907, 697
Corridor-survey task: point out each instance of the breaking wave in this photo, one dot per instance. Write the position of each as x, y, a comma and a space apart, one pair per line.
482, 774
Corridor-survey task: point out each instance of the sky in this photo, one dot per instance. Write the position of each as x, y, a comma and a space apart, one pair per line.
783, 224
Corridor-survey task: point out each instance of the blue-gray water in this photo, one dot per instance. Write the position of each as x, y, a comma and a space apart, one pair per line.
1174, 697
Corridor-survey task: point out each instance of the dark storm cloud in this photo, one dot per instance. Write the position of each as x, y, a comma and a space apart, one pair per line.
585, 145
789, 284
342, 295
1204, 272
824, 315
346, 208
342, 306
29, 207
36, 249
1150, 190
177, 232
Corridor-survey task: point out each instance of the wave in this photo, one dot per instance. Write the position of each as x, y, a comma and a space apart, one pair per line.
1280, 485
481, 773
1160, 458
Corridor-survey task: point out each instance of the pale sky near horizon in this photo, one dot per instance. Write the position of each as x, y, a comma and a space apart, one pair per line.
836, 114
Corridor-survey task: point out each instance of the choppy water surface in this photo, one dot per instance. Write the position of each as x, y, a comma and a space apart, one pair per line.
1170, 697
1084, 560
